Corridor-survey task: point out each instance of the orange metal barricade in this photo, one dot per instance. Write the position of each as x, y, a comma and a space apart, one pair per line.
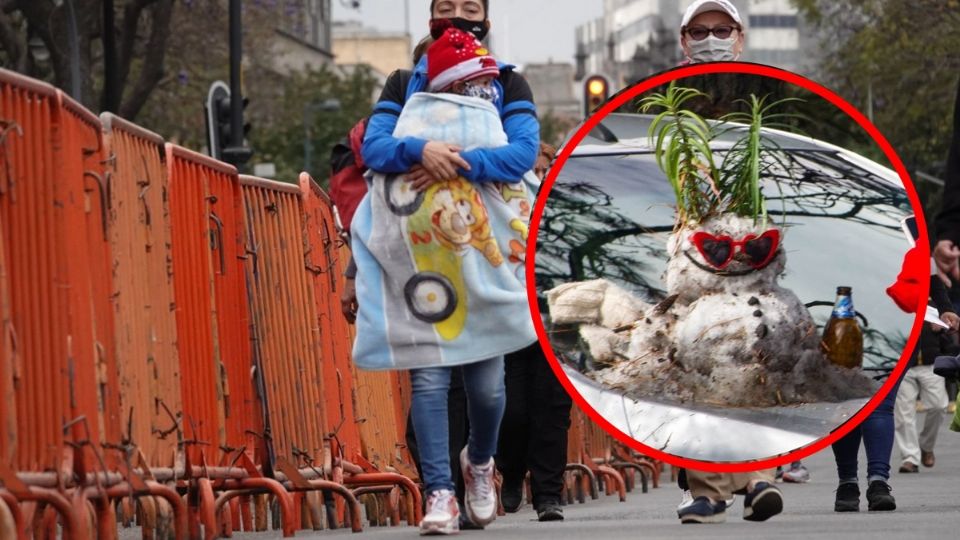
287, 345
8, 424
200, 383
323, 263
86, 258
374, 445
287, 336
597, 453
60, 320
232, 316
38, 323
143, 298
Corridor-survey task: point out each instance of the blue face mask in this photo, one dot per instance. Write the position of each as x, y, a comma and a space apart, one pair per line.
488, 93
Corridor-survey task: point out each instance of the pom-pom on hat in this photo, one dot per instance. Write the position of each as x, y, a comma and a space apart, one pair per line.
457, 56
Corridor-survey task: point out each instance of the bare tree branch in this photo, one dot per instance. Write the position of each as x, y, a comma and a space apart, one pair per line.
11, 42
128, 38
152, 71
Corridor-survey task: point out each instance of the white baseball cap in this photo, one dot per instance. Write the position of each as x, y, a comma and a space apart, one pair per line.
703, 6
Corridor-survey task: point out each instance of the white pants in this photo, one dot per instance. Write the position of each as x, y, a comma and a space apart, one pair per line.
919, 383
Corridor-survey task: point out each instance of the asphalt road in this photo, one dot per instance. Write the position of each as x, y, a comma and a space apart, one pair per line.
928, 507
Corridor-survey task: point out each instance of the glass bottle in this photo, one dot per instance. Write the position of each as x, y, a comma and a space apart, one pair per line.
842, 338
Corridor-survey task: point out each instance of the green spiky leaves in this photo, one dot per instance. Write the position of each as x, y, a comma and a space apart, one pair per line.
682, 150
681, 140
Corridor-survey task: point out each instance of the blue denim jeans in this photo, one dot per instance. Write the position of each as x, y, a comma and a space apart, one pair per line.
876, 431
483, 384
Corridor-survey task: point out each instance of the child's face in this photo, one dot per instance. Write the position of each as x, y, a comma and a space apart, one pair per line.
481, 87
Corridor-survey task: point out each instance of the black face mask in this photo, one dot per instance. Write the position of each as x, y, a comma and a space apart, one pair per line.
477, 28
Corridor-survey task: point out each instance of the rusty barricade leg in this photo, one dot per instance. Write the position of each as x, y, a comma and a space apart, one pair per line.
298, 482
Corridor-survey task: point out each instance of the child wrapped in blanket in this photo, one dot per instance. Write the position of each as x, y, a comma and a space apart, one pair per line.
440, 276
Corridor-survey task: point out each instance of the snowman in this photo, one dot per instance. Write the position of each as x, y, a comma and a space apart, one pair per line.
727, 333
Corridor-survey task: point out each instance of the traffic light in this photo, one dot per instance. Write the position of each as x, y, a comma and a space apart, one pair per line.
596, 90
219, 134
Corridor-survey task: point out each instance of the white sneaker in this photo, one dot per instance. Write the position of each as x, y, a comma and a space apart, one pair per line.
480, 498
443, 514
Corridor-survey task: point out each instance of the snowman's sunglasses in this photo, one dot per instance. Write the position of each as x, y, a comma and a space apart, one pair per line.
718, 251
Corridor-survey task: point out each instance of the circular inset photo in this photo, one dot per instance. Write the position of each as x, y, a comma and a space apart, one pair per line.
713, 252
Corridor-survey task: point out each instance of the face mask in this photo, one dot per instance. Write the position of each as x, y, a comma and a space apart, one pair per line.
477, 28
712, 49
488, 93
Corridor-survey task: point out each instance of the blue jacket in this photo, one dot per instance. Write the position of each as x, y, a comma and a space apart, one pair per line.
385, 153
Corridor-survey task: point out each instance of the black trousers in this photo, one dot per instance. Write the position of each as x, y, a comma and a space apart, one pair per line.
533, 433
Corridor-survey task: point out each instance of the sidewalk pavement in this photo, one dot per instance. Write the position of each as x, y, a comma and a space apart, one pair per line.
928, 507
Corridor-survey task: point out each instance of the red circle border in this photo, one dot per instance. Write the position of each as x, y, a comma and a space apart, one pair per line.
612, 105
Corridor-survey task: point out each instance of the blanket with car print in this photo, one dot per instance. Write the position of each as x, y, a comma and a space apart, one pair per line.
440, 272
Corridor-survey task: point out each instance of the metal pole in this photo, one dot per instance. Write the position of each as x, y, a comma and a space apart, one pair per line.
236, 54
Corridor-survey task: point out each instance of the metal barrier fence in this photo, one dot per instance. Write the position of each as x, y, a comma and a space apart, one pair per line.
172, 347
143, 297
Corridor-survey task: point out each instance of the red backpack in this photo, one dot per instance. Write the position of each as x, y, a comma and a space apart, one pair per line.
347, 185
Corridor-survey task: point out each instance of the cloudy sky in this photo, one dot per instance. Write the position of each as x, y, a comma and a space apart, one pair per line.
517, 31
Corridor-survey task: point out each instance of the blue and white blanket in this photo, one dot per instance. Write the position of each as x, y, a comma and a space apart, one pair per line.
440, 273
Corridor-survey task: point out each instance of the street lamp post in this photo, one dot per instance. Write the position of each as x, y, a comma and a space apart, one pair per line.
236, 153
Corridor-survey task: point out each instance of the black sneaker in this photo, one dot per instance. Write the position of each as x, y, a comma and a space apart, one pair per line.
762, 503
848, 498
879, 498
511, 497
703, 510
550, 511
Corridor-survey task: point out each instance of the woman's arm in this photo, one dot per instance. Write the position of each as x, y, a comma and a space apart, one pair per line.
382, 151
508, 163
385, 153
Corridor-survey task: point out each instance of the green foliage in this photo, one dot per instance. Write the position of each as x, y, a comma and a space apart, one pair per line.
295, 127
682, 150
681, 141
751, 156
898, 58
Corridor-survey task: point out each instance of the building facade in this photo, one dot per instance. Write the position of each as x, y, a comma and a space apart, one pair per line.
355, 44
636, 38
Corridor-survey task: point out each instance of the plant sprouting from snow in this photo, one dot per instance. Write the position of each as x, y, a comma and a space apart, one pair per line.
682, 150
681, 141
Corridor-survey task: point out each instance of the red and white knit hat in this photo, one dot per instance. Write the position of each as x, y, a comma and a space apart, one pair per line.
457, 56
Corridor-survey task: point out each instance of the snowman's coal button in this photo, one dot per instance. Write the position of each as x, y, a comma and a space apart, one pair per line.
762, 331
758, 313
754, 301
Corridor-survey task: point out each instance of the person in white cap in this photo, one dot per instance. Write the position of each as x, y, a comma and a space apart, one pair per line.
711, 31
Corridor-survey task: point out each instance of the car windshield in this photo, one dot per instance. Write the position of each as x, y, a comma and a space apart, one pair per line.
609, 216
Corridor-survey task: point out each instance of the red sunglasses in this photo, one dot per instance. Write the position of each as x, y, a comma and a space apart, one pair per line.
718, 251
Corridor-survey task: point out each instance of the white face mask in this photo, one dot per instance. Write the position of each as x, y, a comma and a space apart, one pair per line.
712, 49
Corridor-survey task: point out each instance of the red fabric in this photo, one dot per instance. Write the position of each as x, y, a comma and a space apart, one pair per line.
347, 186
907, 292
458, 56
